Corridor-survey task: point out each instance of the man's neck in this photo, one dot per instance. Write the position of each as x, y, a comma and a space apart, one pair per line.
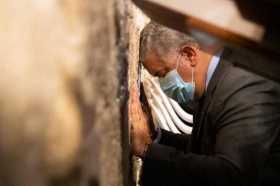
206, 60
202, 69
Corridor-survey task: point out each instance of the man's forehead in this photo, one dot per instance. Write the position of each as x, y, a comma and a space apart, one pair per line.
152, 59
157, 65
152, 62
151, 56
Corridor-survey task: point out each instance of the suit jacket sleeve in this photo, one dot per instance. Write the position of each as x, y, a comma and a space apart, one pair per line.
246, 122
178, 141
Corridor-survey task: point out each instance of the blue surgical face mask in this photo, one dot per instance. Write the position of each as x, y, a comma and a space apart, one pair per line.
176, 88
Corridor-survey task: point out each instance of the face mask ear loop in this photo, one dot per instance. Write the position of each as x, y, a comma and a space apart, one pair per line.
178, 62
192, 76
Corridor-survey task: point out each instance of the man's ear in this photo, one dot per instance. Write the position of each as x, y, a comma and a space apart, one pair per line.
190, 53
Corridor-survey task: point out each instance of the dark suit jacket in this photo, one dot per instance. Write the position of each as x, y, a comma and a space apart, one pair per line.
235, 139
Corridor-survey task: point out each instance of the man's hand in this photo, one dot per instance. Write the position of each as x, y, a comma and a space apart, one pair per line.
140, 133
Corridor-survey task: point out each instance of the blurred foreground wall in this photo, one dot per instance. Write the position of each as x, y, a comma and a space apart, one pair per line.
66, 68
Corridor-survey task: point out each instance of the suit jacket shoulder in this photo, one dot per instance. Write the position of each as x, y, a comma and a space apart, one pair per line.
235, 87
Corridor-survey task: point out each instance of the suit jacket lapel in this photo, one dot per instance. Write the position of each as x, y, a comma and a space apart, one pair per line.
206, 100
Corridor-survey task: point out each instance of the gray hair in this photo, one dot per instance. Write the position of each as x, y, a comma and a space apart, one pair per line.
162, 40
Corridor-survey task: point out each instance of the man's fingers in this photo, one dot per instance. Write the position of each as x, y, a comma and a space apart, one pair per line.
140, 135
134, 92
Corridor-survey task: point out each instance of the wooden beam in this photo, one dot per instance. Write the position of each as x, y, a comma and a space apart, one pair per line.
223, 19
248, 24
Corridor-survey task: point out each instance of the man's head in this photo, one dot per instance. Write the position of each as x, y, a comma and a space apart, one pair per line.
162, 48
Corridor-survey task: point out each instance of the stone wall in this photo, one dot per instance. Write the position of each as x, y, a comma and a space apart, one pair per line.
66, 68
136, 21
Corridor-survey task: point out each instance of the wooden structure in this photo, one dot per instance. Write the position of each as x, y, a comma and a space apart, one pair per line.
252, 25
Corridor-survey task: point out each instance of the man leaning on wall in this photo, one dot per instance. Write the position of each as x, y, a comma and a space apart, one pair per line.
235, 138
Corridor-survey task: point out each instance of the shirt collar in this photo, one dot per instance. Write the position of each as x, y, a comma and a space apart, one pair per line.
212, 66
